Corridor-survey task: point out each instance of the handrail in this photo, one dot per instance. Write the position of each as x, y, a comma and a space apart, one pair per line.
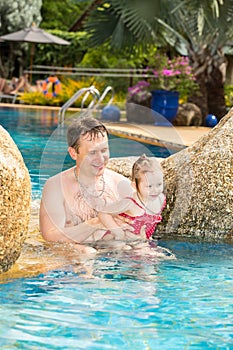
81, 71
95, 93
91, 89
104, 94
90, 69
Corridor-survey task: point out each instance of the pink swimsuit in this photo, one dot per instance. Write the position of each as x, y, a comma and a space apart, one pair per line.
149, 220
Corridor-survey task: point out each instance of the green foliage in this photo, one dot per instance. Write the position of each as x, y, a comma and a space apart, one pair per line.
18, 14
105, 57
38, 98
59, 55
228, 89
199, 29
171, 74
61, 13
69, 88
123, 23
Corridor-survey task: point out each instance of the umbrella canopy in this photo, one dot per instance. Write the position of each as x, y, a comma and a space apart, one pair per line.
34, 35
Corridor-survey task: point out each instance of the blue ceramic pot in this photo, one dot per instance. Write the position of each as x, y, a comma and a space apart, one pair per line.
164, 103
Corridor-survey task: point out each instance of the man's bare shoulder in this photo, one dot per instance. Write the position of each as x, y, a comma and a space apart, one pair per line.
59, 178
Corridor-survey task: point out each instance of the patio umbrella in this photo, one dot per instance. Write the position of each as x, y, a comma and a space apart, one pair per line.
34, 35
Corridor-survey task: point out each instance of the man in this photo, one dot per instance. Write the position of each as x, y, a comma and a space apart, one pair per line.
67, 212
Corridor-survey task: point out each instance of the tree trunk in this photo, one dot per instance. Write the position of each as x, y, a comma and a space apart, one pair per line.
200, 98
79, 22
210, 98
216, 98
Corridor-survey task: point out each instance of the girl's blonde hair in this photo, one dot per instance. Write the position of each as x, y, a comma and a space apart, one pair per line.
144, 165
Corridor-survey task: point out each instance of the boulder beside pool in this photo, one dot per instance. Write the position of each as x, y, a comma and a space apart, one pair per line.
198, 186
15, 198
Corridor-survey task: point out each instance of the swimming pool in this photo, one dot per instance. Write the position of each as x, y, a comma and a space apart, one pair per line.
40, 141
133, 302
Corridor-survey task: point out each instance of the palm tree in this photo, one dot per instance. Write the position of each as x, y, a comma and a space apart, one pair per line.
198, 28
79, 22
205, 28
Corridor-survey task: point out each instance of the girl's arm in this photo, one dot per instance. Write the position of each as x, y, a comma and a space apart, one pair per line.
123, 203
114, 208
108, 221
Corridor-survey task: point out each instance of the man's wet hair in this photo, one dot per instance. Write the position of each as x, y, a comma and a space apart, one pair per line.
84, 126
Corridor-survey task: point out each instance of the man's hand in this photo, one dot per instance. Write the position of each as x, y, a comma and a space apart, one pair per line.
143, 232
119, 234
124, 223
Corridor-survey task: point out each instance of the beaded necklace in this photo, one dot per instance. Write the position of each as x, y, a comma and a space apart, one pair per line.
84, 188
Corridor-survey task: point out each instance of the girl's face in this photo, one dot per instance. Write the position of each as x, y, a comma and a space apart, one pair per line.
150, 185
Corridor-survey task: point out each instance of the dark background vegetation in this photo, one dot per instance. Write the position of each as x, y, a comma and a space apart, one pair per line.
124, 33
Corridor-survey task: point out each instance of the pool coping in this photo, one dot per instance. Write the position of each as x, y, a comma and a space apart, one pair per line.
171, 137
176, 138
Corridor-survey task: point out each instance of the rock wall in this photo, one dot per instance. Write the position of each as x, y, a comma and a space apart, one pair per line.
198, 186
15, 196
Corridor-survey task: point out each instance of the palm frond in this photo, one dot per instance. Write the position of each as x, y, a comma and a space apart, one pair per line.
133, 24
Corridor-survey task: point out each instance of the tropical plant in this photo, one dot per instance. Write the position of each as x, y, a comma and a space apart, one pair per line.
171, 74
104, 57
198, 28
139, 93
68, 88
61, 13
58, 55
229, 95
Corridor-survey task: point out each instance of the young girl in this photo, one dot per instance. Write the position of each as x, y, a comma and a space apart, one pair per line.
141, 208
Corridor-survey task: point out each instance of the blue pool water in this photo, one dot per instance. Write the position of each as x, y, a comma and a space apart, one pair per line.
132, 302
41, 142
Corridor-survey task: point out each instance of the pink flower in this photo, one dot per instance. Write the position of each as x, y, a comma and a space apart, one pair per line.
156, 74
167, 72
176, 72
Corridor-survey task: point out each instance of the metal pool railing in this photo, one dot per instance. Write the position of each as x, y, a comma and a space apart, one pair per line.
93, 105
87, 91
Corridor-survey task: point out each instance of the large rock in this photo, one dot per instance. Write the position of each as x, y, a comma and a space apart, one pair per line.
15, 197
198, 186
188, 114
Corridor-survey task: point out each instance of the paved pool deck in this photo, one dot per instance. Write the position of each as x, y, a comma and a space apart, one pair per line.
171, 137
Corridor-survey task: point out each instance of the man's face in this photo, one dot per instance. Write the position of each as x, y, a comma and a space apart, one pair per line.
93, 154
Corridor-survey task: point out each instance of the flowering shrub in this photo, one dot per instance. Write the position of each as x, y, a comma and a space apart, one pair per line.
139, 92
165, 74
